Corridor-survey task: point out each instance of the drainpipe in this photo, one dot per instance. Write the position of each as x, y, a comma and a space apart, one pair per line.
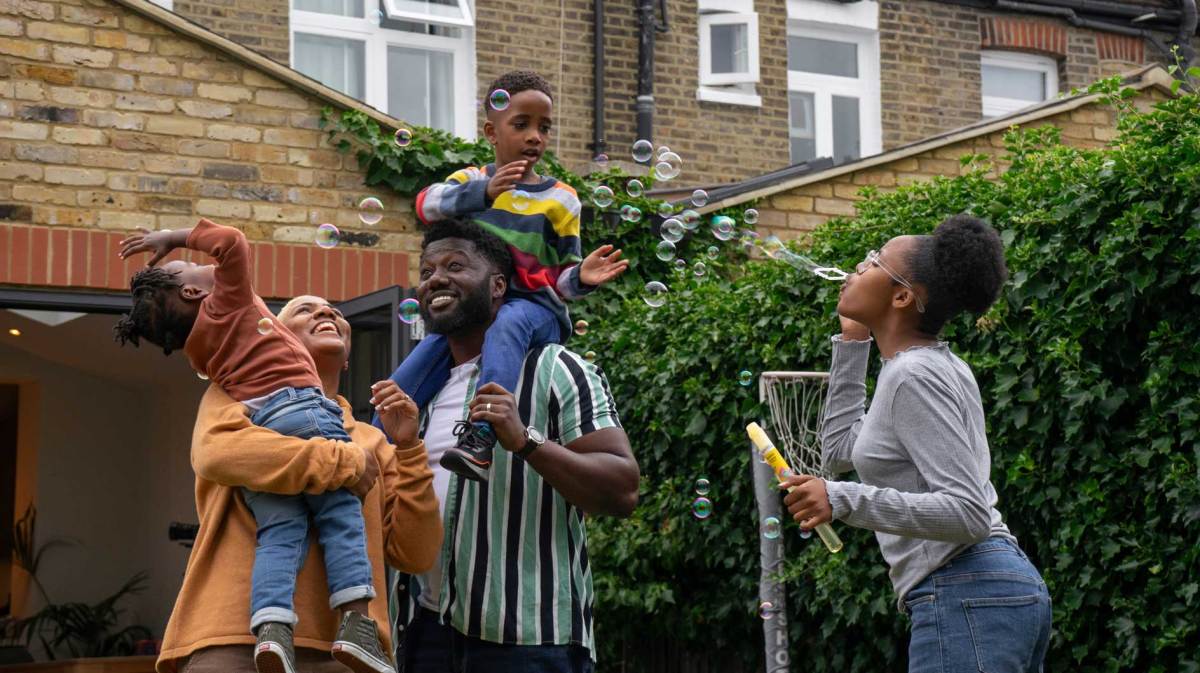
647, 26
599, 145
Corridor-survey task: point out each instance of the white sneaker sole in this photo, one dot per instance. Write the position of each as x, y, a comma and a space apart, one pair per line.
270, 658
357, 659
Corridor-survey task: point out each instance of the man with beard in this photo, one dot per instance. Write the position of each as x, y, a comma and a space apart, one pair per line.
512, 588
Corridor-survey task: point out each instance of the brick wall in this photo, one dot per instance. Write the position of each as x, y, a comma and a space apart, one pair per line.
718, 142
109, 121
261, 25
792, 213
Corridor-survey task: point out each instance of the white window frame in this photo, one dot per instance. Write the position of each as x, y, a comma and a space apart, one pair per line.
165, 4
707, 21
998, 106
465, 16
865, 87
377, 40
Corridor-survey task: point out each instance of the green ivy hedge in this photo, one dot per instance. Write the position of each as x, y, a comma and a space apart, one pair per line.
1089, 367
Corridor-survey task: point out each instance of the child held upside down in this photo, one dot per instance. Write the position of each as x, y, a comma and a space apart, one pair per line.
230, 337
538, 218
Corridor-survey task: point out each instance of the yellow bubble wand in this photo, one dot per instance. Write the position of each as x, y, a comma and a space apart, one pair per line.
771, 456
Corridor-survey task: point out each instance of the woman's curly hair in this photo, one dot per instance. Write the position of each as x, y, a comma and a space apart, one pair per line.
962, 268
151, 317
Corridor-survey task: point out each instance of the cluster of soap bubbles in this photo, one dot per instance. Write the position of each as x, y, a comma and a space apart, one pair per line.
370, 213
702, 507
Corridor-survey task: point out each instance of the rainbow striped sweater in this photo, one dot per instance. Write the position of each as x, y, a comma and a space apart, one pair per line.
539, 222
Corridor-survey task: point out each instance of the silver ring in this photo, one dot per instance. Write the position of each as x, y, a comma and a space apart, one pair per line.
488, 408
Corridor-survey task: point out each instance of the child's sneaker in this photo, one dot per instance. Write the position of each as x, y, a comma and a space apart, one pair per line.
274, 652
357, 645
471, 457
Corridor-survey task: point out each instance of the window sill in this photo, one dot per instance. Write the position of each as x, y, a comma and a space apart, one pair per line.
712, 95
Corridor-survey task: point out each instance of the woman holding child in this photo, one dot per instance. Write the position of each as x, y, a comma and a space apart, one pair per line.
209, 628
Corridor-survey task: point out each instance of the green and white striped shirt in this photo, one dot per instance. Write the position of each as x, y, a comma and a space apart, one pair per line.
514, 559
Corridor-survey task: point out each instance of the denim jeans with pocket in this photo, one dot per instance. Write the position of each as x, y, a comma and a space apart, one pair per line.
985, 610
283, 519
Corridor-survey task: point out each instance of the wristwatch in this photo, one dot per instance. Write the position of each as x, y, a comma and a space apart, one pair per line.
533, 441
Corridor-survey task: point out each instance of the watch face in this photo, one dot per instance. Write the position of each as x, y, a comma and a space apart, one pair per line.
535, 436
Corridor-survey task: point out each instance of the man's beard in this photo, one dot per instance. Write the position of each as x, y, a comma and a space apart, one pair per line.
474, 308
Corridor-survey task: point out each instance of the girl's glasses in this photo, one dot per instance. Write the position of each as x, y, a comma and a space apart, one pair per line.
873, 258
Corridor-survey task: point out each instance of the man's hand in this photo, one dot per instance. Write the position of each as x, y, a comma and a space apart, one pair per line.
497, 406
160, 243
505, 178
397, 413
603, 265
808, 502
853, 330
369, 476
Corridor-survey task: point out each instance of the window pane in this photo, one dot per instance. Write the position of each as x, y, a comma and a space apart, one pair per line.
730, 52
421, 87
332, 61
824, 57
802, 126
846, 145
339, 7
1005, 82
440, 8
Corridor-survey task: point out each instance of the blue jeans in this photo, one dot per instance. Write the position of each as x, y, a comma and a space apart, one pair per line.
283, 519
519, 326
431, 647
985, 610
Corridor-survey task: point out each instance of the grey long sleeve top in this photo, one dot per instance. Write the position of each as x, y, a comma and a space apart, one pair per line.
921, 453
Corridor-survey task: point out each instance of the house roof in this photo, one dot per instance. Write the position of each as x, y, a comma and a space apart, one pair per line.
253, 59
819, 170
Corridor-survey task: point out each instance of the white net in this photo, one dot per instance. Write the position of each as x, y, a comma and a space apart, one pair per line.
796, 400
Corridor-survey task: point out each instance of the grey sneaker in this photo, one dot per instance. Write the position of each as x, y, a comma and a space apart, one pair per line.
357, 645
274, 652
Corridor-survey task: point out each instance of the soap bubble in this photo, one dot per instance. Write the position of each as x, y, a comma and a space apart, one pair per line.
202, 376
690, 219
699, 198
403, 137
642, 151
601, 160
581, 327
745, 377
672, 230
654, 294
702, 486
521, 199
370, 211
499, 100
665, 250
713, 251
409, 311
590, 356
376, 17
804, 533
602, 196
665, 209
748, 238
767, 610
722, 227
265, 326
750, 216
663, 149
771, 528
702, 508
772, 246
634, 188
631, 213
669, 166
680, 265
328, 236
699, 269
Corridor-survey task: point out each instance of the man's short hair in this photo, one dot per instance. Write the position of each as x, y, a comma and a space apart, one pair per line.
520, 80
487, 244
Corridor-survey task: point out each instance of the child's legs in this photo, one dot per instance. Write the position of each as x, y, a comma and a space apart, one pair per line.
338, 518
520, 325
282, 544
426, 369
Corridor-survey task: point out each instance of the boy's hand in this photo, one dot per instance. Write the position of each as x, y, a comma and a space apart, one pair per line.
602, 265
397, 413
161, 243
366, 480
506, 178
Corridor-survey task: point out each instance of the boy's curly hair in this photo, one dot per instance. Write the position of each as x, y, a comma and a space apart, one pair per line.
151, 317
520, 80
